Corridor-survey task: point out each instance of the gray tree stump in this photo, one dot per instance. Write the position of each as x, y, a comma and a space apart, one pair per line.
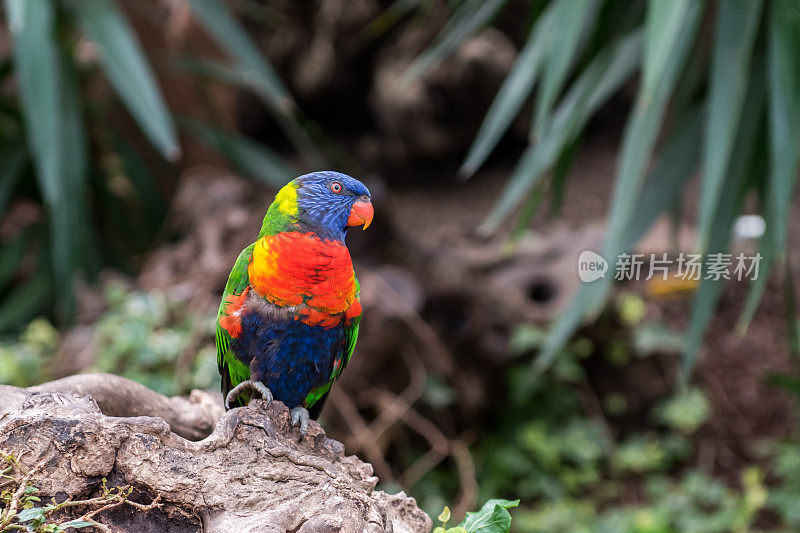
252, 473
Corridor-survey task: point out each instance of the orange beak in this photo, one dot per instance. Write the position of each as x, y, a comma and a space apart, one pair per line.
361, 213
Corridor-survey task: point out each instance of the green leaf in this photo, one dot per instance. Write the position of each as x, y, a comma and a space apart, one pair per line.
217, 19
67, 214
130, 74
742, 162
492, 518
77, 524
250, 70
445, 515
784, 98
560, 176
686, 411
240, 77
599, 81
33, 513
736, 27
638, 142
664, 23
251, 158
644, 124
675, 166
786, 381
784, 146
567, 322
36, 57
25, 301
470, 16
234, 75
573, 20
515, 89
528, 211
51, 108
150, 201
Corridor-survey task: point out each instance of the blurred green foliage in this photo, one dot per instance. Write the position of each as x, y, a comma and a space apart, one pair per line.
85, 189
27, 360
143, 336
46, 123
718, 81
575, 471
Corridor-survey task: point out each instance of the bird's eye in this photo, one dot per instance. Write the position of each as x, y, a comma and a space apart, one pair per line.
336, 187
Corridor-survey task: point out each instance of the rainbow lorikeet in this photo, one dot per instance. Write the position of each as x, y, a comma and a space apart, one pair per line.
289, 316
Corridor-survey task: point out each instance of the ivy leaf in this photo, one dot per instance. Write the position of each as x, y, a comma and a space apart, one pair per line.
492, 518
77, 523
34, 513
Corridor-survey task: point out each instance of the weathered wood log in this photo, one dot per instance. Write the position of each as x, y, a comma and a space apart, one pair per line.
252, 473
192, 418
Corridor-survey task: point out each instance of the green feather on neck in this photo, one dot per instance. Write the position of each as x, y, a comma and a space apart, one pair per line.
282, 213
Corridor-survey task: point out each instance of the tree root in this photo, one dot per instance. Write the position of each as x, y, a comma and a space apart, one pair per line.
252, 473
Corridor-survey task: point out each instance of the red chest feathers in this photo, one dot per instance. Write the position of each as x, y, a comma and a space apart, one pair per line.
300, 269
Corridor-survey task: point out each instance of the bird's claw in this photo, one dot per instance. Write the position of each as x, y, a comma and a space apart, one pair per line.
246, 385
262, 389
300, 415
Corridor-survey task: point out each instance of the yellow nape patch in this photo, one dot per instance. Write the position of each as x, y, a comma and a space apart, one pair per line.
287, 199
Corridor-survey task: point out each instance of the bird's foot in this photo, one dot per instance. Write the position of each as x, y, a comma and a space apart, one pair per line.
300, 416
246, 385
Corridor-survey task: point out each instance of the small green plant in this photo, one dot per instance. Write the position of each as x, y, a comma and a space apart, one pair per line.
685, 412
151, 339
493, 517
21, 509
144, 336
574, 470
25, 362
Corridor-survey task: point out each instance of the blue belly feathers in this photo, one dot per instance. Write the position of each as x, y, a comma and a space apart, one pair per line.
291, 358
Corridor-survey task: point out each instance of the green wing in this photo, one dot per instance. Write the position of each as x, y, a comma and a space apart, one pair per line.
316, 398
351, 336
232, 370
